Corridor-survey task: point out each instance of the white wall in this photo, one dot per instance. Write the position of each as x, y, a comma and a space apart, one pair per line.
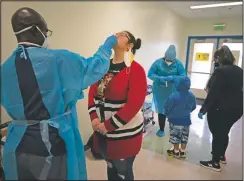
204, 27
82, 26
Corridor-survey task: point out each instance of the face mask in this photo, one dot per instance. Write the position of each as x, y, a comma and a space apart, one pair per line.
45, 43
168, 62
128, 58
216, 64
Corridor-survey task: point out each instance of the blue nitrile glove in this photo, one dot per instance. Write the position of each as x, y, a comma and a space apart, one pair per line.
169, 79
200, 115
110, 42
162, 79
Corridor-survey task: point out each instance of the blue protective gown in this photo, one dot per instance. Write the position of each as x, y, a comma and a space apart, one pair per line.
61, 76
162, 90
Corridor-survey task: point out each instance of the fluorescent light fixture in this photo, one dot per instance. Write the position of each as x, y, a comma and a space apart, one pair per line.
216, 5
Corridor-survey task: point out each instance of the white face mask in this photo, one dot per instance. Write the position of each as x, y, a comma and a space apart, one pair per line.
128, 58
45, 43
168, 62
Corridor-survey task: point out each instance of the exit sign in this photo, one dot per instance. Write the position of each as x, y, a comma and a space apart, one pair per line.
219, 27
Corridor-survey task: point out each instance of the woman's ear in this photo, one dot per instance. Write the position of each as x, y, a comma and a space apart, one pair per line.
129, 47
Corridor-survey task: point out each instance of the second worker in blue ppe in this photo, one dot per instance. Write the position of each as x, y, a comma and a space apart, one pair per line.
163, 73
40, 89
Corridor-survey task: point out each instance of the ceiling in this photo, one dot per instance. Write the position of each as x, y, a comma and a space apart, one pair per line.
182, 8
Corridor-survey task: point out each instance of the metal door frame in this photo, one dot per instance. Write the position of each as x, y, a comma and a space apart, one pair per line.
207, 37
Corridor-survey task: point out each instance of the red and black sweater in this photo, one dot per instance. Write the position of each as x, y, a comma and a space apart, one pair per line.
122, 93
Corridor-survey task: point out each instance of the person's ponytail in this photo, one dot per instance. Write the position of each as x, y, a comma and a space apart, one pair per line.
137, 46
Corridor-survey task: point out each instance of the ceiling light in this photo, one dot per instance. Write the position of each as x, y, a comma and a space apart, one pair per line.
216, 5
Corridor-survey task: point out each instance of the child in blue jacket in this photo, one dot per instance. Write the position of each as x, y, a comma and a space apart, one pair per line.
178, 110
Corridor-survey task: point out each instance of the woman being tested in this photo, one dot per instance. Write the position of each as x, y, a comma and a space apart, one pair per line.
163, 73
114, 106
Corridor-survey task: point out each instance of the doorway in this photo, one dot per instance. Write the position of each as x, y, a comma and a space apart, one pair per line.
199, 64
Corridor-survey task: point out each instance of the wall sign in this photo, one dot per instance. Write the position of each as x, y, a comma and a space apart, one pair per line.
202, 56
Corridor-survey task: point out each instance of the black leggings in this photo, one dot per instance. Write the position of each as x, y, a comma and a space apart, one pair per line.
120, 169
161, 121
220, 123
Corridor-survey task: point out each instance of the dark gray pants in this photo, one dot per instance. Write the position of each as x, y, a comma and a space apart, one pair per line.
30, 167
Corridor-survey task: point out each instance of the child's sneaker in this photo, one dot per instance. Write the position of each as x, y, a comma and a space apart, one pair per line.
182, 154
223, 160
170, 152
160, 133
173, 153
211, 165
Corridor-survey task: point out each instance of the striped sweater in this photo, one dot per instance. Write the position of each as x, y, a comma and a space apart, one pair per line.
119, 109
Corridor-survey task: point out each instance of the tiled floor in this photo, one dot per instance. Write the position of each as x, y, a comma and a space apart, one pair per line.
153, 163
152, 166
199, 145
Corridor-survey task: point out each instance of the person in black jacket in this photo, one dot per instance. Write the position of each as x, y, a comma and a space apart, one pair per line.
224, 104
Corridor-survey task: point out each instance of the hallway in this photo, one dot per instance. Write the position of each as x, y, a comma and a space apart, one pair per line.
153, 162
152, 166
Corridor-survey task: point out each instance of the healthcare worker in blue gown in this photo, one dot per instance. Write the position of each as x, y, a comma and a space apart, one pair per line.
40, 88
164, 73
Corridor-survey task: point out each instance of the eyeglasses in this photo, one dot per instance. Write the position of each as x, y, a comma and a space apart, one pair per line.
49, 33
124, 35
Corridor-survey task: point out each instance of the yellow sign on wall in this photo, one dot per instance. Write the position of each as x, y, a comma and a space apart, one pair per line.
202, 56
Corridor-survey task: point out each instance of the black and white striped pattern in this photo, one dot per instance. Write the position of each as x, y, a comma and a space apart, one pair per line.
117, 122
123, 130
92, 109
125, 133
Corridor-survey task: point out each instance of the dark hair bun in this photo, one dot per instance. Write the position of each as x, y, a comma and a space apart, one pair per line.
137, 46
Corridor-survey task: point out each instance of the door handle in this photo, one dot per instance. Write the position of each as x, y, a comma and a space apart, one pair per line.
190, 72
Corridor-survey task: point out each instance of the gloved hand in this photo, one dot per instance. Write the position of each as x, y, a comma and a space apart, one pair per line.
110, 42
200, 115
169, 79
162, 80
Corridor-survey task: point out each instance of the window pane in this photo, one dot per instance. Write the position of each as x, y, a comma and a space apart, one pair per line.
202, 57
236, 49
199, 81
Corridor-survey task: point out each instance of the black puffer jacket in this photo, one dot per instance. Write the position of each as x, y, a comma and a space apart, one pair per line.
225, 89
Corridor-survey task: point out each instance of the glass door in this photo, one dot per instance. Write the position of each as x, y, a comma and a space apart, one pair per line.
200, 65
236, 47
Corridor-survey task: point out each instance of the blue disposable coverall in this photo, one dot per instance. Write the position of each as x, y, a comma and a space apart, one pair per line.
159, 72
44, 132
